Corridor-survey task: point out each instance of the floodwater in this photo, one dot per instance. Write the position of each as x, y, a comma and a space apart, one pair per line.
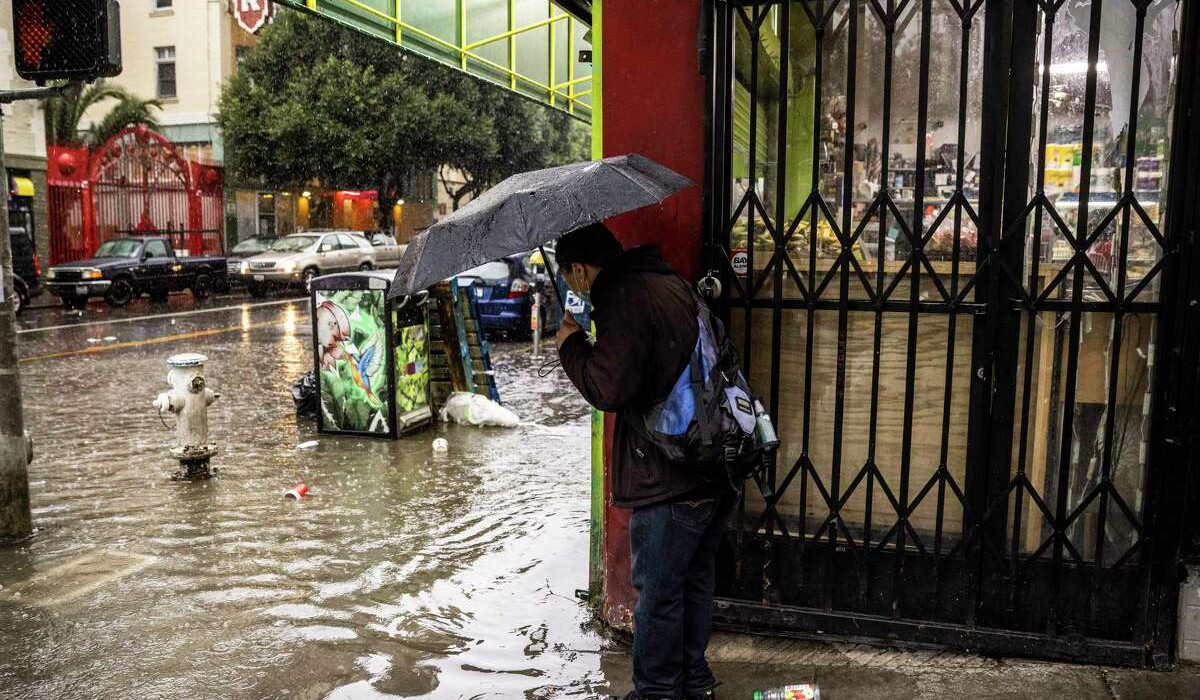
403, 574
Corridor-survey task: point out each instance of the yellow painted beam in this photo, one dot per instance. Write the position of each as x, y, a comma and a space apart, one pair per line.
571, 60
462, 31
399, 24
512, 46
553, 34
576, 81
514, 32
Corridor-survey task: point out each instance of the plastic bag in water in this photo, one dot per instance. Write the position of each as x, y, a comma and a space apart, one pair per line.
473, 409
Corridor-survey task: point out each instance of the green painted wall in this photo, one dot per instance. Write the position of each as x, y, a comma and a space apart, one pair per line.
596, 553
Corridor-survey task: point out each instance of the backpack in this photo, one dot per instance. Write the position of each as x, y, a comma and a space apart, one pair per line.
709, 422
305, 395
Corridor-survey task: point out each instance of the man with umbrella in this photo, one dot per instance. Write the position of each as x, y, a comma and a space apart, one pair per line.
646, 330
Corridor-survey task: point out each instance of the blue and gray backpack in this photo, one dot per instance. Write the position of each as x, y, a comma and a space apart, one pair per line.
709, 420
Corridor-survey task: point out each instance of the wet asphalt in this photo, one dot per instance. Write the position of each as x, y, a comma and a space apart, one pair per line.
403, 574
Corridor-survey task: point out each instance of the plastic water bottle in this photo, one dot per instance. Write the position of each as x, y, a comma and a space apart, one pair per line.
765, 428
803, 691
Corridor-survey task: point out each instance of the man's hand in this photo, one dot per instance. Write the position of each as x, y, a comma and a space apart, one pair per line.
568, 327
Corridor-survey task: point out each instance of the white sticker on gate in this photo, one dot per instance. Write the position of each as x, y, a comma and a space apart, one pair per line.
739, 259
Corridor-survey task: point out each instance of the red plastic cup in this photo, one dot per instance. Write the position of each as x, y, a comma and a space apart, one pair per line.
298, 492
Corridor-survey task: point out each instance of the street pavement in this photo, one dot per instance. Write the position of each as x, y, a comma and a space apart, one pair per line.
404, 574
845, 671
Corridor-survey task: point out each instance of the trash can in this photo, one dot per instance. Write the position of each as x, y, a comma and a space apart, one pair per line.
371, 356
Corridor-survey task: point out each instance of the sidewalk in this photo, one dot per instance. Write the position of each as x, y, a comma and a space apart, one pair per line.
746, 663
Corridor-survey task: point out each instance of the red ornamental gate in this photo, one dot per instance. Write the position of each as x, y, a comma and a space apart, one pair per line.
136, 183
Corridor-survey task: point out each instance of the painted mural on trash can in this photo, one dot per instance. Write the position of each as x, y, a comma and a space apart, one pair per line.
352, 337
412, 366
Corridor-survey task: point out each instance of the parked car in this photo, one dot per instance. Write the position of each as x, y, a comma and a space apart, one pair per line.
573, 302
124, 268
504, 300
387, 251
244, 250
296, 259
27, 271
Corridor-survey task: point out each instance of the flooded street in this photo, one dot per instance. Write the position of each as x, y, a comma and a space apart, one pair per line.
403, 574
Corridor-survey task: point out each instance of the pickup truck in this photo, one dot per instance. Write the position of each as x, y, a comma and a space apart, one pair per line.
124, 268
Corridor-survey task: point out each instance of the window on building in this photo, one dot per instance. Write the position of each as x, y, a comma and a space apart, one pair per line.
163, 4
164, 59
266, 214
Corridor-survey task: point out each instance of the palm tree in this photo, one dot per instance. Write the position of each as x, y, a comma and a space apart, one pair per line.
65, 112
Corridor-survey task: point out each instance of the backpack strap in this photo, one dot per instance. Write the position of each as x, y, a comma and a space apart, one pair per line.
700, 415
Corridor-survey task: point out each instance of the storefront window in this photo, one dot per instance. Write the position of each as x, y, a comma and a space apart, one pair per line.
869, 173
855, 160
266, 214
1105, 198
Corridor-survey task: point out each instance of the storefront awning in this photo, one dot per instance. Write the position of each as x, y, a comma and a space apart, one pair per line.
20, 186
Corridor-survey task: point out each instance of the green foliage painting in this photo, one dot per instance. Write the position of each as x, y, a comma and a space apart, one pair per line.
412, 368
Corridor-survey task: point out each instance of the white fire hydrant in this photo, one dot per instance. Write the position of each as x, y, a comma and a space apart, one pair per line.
189, 400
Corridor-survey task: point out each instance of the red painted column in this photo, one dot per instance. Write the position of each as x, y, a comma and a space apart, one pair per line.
653, 104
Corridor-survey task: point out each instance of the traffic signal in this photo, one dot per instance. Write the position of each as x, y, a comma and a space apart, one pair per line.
67, 39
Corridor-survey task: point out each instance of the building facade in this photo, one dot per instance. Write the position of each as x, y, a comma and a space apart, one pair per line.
180, 52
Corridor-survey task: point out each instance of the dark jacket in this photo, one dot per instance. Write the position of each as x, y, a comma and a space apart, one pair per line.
646, 329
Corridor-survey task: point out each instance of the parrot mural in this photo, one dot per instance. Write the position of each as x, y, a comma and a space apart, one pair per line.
352, 341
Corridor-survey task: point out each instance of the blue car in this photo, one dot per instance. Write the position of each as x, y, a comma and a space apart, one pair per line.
503, 293
578, 308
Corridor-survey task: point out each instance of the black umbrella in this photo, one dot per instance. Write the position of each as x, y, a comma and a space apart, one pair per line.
528, 210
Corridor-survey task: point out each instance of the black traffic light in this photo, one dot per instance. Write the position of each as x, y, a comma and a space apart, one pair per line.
67, 39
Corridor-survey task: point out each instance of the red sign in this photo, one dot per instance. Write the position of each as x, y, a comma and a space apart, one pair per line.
251, 15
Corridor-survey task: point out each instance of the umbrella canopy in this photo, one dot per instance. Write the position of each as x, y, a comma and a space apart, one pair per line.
529, 210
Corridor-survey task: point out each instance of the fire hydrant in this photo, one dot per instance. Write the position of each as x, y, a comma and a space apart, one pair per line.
189, 400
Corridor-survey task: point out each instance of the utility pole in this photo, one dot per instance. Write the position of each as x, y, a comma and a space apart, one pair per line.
71, 40
15, 448
15, 519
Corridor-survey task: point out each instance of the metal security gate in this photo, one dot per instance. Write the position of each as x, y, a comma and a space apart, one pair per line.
135, 183
941, 224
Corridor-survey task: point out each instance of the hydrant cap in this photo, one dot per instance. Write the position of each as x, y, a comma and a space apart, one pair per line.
187, 359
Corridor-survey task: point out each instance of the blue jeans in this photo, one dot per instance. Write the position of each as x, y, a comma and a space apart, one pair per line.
674, 549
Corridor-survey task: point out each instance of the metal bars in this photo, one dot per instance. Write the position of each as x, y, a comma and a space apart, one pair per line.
897, 495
